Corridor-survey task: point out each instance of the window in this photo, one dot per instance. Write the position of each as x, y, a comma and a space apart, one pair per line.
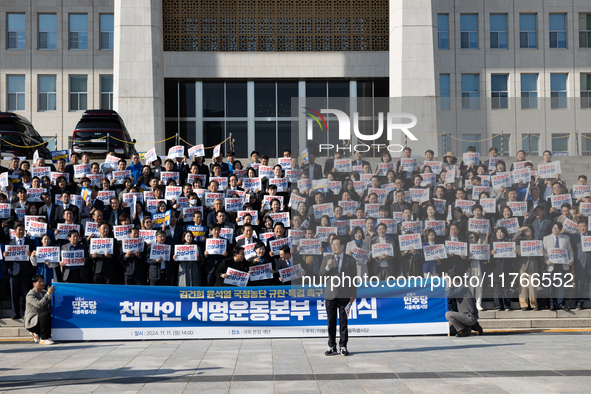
16, 31
107, 30
444, 90
47, 93
78, 92
531, 144
501, 142
471, 140
106, 92
557, 30
560, 143
51, 145
469, 31
498, 31
585, 91
443, 31
586, 144
499, 93
528, 31
470, 89
585, 30
558, 91
16, 93
78, 31
529, 91
47, 31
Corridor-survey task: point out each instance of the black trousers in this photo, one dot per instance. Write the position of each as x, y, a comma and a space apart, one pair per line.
332, 306
75, 277
19, 287
103, 279
133, 280
43, 327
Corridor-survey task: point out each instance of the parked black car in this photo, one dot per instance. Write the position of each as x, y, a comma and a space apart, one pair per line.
100, 131
17, 130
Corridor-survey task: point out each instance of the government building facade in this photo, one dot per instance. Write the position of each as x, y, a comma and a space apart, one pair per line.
510, 74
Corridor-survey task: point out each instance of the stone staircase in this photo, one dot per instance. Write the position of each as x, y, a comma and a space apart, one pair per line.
534, 320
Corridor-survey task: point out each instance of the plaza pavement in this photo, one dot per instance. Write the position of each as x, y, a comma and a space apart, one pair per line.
528, 362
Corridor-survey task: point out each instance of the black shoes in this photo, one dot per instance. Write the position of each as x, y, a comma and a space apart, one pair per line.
478, 328
14, 317
563, 307
463, 333
524, 309
552, 308
331, 351
579, 307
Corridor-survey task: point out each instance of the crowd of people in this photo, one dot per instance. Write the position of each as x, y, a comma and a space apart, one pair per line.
391, 217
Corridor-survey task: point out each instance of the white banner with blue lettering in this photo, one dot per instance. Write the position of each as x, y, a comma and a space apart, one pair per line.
112, 312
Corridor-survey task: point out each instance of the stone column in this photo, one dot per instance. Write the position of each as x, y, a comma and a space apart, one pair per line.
412, 71
138, 70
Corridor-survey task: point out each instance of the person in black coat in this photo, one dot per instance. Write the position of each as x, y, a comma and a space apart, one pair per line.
582, 261
111, 214
104, 264
336, 298
455, 264
65, 198
213, 260
316, 171
20, 272
92, 203
500, 266
49, 210
261, 259
134, 263
236, 262
74, 274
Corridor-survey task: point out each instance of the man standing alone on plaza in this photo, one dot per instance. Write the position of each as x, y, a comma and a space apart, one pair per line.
338, 293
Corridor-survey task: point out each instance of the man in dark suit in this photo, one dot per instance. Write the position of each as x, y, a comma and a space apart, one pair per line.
74, 274
65, 197
49, 210
285, 260
92, 203
359, 161
111, 214
19, 272
104, 263
313, 170
329, 163
542, 225
582, 261
536, 199
248, 236
134, 263
343, 266
20, 203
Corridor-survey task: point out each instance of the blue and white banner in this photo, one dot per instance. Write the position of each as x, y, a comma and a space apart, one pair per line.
112, 312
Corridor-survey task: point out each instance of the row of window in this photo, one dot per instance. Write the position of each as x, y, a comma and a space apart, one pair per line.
530, 143
470, 91
528, 31
47, 92
47, 35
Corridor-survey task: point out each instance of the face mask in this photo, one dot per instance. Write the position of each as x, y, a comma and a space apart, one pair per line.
193, 202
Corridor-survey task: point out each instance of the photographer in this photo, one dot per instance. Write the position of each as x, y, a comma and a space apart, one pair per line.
38, 316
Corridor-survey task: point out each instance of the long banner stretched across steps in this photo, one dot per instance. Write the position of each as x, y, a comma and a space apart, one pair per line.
111, 312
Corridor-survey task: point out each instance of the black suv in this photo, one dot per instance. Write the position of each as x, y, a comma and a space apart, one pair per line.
17, 130
100, 131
